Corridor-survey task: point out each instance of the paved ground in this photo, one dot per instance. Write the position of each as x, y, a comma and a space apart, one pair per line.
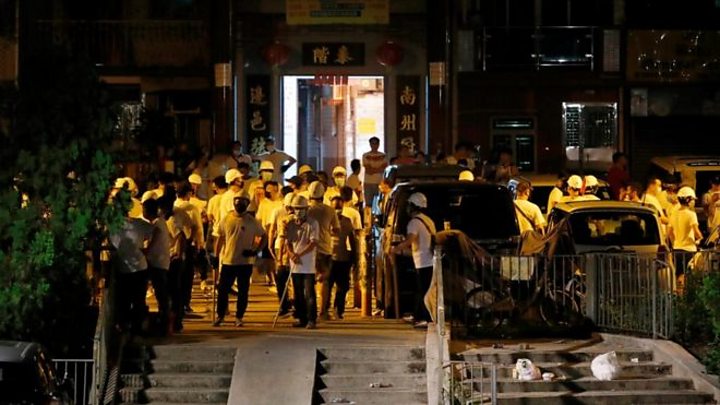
276, 365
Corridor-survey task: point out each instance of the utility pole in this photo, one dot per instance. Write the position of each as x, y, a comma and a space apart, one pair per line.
221, 41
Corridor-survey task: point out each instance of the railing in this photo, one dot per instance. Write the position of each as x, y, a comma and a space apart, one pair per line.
107, 342
470, 383
80, 373
139, 43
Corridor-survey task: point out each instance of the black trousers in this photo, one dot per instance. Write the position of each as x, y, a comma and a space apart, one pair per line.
305, 297
340, 277
188, 274
228, 275
424, 278
131, 290
158, 278
281, 278
323, 264
174, 288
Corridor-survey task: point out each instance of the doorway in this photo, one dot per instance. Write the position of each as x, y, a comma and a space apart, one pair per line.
329, 120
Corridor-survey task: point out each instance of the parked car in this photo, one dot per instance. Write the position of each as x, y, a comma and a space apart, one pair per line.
482, 211
27, 376
607, 226
543, 184
395, 174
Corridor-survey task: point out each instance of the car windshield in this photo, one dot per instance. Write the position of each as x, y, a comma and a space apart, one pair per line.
17, 383
481, 212
614, 229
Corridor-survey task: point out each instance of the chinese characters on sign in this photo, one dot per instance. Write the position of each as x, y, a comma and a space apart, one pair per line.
408, 109
257, 107
313, 12
333, 54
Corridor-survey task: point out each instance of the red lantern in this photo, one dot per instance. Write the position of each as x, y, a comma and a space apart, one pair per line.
389, 54
276, 54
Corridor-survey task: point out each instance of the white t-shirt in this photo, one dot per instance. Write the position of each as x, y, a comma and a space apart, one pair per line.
588, 197
555, 196
652, 201
278, 158
333, 192
241, 232
374, 160
299, 237
421, 248
354, 216
158, 250
213, 211
532, 211
198, 236
682, 228
265, 210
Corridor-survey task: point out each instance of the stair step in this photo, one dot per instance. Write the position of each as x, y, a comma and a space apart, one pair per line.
587, 384
186, 395
181, 352
380, 396
403, 353
188, 380
190, 366
510, 357
579, 370
370, 367
605, 398
364, 381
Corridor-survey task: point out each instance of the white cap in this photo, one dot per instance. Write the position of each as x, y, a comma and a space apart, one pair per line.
339, 171
305, 169
267, 165
466, 175
686, 192
232, 175
418, 199
148, 195
131, 185
287, 200
299, 201
316, 190
195, 179
120, 183
591, 181
575, 182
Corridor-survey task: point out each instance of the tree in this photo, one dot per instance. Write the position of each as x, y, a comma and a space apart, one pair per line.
54, 185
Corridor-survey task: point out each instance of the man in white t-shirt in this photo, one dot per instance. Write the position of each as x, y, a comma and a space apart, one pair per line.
710, 202
574, 187
590, 189
281, 161
420, 232
374, 163
556, 194
529, 215
301, 237
684, 230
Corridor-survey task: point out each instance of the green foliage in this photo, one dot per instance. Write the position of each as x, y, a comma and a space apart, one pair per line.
710, 296
55, 158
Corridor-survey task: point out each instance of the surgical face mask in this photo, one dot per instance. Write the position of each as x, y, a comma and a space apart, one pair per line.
301, 214
241, 205
340, 181
270, 148
237, 152
266, 175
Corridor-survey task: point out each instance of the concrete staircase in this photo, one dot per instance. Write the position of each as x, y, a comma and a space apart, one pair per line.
371, 375
643, 380
177, 374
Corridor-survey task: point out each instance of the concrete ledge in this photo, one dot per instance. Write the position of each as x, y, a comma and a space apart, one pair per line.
683, 363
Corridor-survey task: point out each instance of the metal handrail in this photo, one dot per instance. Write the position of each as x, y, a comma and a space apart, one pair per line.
80, 373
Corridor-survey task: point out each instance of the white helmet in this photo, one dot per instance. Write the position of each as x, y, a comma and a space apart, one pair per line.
575, 182
418, 199
120, 183
299, 201
267, 165
316, 190
287, 200
466, 175
686, 192
195, 179
232, 175
591, 181
131, 185
304, 169
339, 171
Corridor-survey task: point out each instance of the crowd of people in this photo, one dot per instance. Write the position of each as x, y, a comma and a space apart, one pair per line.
301, 233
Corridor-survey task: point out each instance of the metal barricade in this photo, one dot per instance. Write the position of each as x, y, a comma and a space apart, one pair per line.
470, 383
80, 374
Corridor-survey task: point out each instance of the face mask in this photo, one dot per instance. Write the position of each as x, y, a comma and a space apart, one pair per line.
270, 149
241, 205
246, 176
301, 214
340, 181
266, 176
237, 152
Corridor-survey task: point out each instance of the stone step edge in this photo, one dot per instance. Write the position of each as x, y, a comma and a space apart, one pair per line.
616, 393
589, 379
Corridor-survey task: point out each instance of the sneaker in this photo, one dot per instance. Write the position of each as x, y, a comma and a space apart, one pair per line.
409, 319
377, 312
311, 325
272, 289
218, 322
238, 323
420, 325
339, 315
203, 286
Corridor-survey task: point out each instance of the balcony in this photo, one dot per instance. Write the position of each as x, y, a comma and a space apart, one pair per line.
132, 46
536, 48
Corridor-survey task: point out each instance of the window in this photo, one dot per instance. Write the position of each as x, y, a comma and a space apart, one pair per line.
614, 229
